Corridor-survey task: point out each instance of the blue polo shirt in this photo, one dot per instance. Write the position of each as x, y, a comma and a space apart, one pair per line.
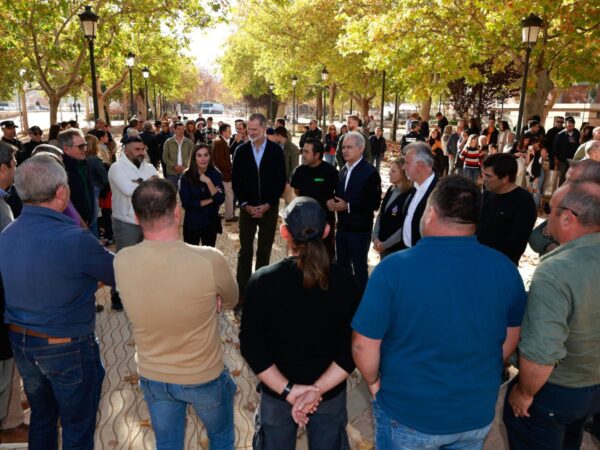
441, 309
50, 269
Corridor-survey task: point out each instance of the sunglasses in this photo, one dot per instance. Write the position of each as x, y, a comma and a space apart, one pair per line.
548, 209
80, 146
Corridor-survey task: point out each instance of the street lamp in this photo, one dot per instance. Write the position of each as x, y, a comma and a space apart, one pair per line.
146, 75
530, 28
89, 21
129, 62
324, 78
294, 83
271, 87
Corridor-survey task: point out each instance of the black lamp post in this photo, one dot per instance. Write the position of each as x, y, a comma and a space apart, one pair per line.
89, 21
382, 98
324, 78
271, 87
146, 75
294, 82
530, 28
130, 61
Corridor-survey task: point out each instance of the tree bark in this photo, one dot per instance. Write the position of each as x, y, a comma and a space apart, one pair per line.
425, 110
24, 118
552, 98
332, 93
536, 100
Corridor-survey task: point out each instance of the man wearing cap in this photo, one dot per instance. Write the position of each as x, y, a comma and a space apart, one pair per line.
296, 367
35, 139
175, 320
51, 271
124, 176
358, 195
9, 134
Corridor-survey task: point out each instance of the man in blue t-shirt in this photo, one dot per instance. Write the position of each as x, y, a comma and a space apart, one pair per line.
431, 345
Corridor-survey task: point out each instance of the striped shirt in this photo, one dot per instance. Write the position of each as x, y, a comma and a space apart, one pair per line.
471, 157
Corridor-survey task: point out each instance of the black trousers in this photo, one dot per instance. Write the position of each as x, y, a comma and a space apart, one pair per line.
207, 234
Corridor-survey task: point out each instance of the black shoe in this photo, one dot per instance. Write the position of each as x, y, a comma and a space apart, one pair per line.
99, 308
116, 302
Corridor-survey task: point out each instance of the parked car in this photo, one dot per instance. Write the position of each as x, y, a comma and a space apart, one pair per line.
211, 108
7, 106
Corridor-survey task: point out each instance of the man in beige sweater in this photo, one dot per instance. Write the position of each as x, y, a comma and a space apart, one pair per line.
172, 293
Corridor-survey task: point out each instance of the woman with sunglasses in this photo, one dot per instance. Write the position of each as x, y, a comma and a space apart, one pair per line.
201, 192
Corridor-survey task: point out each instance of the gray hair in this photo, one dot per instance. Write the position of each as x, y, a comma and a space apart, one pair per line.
422, 152
6, 153
591, 147
48, 148
584, 199
359, 139
65, 138
148, 126
38, 178
261, 119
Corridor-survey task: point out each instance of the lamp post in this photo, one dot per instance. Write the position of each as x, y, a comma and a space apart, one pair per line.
146, 75
271, 87
324, 78
382, 98
89, 21
530, 28
294, 82
155, 108
130, 61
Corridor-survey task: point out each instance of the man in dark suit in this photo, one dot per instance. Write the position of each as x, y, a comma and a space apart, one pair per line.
419, 169
258, 179
149, 138
358, 196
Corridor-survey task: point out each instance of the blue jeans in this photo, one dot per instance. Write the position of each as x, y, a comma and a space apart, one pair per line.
61, 381
377, 161
276, 430
329, 158
556, 419
212, 401
392, 435
472, 173
537, 188
352, 251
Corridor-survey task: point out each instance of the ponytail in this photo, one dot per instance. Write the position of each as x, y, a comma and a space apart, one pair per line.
313, 261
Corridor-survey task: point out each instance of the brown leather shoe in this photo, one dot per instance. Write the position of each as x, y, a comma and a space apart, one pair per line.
15, 435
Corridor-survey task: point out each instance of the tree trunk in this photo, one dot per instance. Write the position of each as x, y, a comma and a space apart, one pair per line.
54, 103
363, 104
536, 100
332, 92
281, 106
101, 112
425, 110
552, 98
24, 118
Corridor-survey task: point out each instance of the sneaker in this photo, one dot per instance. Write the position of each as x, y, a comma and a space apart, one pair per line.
232, 219
116, 302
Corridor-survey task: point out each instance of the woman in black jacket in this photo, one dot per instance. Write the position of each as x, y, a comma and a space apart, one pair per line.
296, 336
387, 232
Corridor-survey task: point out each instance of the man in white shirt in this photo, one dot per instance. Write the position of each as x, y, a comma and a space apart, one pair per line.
419, 169
124, 176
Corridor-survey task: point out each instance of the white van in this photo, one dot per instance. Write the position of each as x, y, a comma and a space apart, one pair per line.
211, 108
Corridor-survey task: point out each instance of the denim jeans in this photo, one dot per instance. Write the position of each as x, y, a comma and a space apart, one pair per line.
471, 173
352, 252
377, 161
61, 381
537, 188
392, 435
212, 401
276, 430
556, 419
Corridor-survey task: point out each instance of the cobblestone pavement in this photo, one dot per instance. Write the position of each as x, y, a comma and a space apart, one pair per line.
124, 420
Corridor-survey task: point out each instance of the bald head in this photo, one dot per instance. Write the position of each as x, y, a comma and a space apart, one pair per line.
584, 170
575, 211
592, 150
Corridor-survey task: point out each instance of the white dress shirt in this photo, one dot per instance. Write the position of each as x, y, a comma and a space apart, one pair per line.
258, 152
416, 199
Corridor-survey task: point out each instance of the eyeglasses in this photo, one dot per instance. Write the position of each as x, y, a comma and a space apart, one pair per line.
548, 209
36, 134
81, 147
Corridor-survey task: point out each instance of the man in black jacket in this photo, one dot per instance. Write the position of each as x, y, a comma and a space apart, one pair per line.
564, 148
258, 179
358, 196
419, 169
150, 141
74, 146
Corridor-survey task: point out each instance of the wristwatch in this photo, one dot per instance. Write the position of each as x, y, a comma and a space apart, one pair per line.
286, 390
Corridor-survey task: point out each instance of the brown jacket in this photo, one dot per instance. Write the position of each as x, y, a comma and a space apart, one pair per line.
221, 158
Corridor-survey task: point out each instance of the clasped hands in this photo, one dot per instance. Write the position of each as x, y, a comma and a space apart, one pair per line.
337, 204
257, 211
304, 400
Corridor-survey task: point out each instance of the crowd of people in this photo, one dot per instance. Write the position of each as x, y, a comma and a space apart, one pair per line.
432, 329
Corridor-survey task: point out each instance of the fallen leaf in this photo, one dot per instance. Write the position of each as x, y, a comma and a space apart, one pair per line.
236, 373
145, 423
250, 406
132, 379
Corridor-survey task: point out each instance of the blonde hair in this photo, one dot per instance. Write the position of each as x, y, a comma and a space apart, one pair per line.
93, 145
